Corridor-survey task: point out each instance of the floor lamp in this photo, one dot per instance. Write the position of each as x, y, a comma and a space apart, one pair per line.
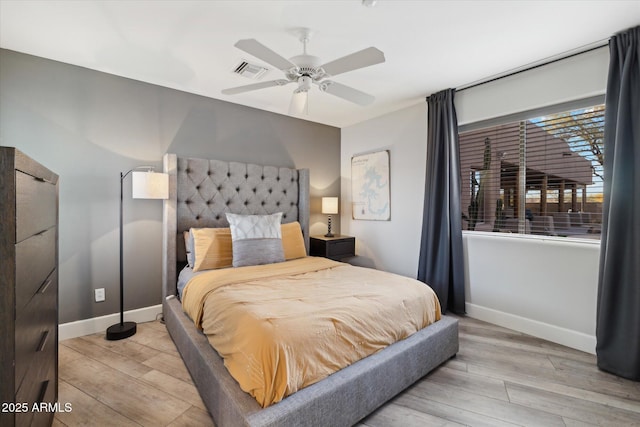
145, 185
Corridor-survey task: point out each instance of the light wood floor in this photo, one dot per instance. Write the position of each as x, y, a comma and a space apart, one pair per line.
499, 378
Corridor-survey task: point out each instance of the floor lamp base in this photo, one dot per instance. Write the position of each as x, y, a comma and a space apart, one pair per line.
121, 330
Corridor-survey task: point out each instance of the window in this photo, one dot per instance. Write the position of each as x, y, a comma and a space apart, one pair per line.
541, 175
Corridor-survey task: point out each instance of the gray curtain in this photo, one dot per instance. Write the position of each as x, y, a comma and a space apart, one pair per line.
618, 316
441, 263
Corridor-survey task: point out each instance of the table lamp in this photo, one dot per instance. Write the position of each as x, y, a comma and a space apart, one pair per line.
329, 207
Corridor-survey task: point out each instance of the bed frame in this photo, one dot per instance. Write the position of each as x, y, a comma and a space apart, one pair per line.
200, 191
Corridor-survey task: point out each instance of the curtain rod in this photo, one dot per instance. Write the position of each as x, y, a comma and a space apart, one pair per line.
569, 54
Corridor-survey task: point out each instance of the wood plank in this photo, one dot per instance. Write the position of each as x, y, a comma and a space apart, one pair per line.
193, 417
126, 348
486, 386
67, 355
449, 412
392, 415
456, 364
117, 361
58, 423
155, 339
177, 388
480, 328
170, 365
575, 423
133, 399
87, 411
564, 352
156, 325
569, 407
630, 389
509, 359
560, 383
486, 406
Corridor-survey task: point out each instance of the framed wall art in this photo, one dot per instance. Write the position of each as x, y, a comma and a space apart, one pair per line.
370, 190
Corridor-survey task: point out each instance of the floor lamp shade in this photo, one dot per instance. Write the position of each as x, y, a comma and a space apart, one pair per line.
145, 185
149, 185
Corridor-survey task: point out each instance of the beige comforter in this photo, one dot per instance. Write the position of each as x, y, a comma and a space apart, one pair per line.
281, 327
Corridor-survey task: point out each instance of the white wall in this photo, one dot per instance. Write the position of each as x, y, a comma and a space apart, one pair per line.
542, 286
389, 245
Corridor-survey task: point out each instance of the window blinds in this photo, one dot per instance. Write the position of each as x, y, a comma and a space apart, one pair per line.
541, 175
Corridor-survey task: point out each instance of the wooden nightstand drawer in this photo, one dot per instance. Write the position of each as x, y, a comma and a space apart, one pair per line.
341, 248
336, 247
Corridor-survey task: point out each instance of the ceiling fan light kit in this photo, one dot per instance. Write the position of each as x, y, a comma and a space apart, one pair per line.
304, 84
300, 98
306, 70
299, 104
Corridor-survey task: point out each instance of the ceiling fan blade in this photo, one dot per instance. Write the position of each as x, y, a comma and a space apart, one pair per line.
260, 51
360, 59
255, 86
346, 92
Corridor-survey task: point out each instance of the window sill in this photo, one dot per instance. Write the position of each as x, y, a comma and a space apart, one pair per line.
533, 237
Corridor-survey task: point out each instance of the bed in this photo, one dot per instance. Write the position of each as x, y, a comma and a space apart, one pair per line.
201, 192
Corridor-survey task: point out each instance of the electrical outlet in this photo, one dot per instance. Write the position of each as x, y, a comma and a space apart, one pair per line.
99, 294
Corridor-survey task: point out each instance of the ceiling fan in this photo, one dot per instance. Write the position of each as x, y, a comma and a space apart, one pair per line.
306, 70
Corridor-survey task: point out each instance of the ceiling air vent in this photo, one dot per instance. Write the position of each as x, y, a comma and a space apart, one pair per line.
250, 71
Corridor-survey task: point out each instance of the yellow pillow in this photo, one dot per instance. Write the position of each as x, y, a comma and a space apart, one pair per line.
212, 248
292, 241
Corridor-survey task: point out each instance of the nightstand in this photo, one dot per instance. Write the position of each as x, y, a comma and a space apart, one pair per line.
336, 247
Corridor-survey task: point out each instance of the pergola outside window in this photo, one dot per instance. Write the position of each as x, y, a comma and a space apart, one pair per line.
541, 175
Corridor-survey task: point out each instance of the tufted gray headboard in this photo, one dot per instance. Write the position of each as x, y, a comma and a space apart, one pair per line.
201, 191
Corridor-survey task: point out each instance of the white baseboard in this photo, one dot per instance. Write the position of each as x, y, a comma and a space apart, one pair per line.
94, 325
567, 337
563, 336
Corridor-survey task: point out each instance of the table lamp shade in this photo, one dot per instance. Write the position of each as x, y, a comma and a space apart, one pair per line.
329, 205
149, 185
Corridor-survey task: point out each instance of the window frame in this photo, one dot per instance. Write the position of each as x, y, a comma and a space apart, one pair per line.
525, 116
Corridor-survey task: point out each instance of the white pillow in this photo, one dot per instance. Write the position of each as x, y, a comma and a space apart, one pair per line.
256, 239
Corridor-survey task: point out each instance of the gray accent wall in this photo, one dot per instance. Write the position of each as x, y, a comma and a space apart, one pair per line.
89, 126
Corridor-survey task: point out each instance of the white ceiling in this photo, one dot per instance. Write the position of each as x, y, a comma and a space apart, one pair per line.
429, 45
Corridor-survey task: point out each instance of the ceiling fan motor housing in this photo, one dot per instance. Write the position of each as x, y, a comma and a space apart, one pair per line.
306, 65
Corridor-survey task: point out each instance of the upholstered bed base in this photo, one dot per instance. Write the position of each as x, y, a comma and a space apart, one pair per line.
342, 399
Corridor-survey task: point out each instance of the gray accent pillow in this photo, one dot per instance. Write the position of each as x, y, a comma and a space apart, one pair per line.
257, 239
